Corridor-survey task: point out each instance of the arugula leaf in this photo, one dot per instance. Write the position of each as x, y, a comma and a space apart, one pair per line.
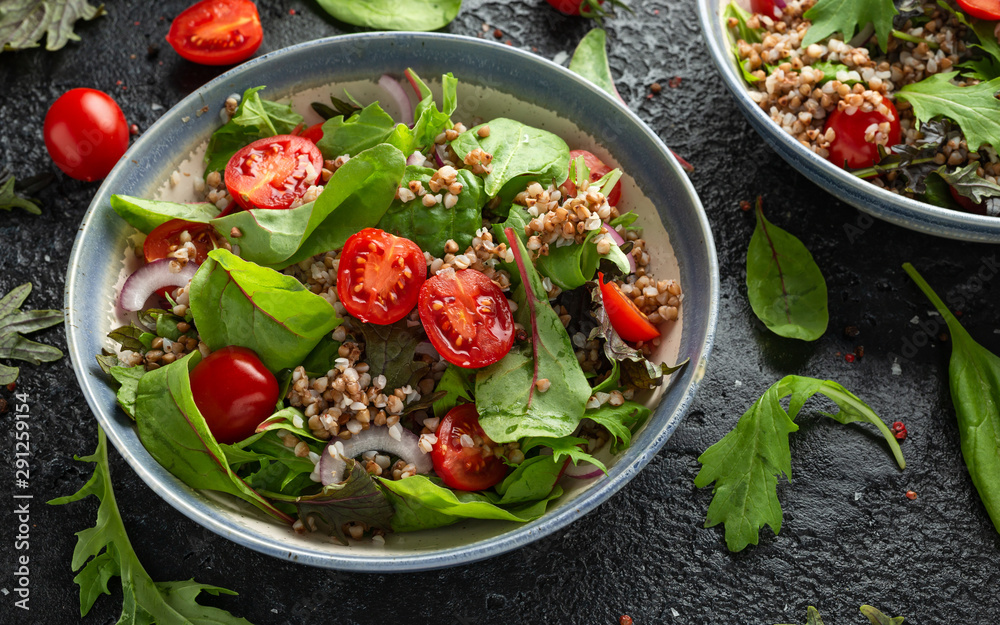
974, 378
105, 551
518, 150
144, 215
23, 23
235, 302
13, 322
566, 446
389, 351
357, 499
746, 463
9, 200
421, 502
970, 184
255, 118
456, 383
877, 618
128, 380
430, 228
355, 198
620, 421
174, 432
420, 15
510, 407
532, 480
847, 17
590, 60
973, 108
786, 288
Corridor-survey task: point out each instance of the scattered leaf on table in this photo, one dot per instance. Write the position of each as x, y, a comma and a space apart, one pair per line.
14, 322
23, 23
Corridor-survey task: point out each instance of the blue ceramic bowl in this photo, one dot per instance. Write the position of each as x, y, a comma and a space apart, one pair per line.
495, 79
862, 195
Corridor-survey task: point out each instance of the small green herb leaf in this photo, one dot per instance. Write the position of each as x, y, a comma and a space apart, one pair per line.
104, 551
23, 23
13, 322
786, 288
567, 447
974, 108
746, 464
357, 499
9, 200
847, 17
974, 374
877, 618
420, 15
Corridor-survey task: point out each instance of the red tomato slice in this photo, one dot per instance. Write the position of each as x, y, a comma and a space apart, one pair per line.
380, 276
85, 134
166, 238
627, 320
597, 170
273, 172
466, 318
765, 7
314, 133
983, 9
850, 146
217, 32
460, 467
234, 391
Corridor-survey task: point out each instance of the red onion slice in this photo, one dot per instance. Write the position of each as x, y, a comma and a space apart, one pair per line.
439, 155
145, 281
377, 438
617, 237
583, 470
399, 97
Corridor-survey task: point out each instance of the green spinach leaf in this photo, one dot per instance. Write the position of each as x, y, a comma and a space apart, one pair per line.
746, 463
532, 480
420, 15
173, 431
356, 499
422, 503
509, 404
360, 132
430, 121
235, 302
128, 381
104, 551
355, 198
590, 60
255, 118
430, 228
518, 150
974, 376
144, 215
786, 288
456, 383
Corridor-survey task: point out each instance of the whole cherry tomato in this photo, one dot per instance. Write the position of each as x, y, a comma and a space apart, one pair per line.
466, 318
627, 320
849, 146
983, 9
585, 8
380, 276
85, 133
217, 32
461, 467
273, 172
597, 170
234, 391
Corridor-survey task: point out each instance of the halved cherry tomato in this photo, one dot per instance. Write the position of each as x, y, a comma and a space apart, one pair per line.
983, 9
597, 170
166, 238
234, 391
627, 320
217, 32
966, 203
466, 318
380, 276
460, 467
314, 133
850, 146
764, 7
85, 134
273, 172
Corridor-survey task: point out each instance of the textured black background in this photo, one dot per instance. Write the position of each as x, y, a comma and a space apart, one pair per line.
849, 535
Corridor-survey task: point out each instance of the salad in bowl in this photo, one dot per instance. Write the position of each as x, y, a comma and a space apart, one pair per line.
388, 324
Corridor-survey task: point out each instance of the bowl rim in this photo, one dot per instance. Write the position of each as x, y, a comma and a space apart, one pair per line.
892, 207
451, 556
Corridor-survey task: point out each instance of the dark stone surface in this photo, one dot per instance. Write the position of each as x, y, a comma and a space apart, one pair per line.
849, 535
